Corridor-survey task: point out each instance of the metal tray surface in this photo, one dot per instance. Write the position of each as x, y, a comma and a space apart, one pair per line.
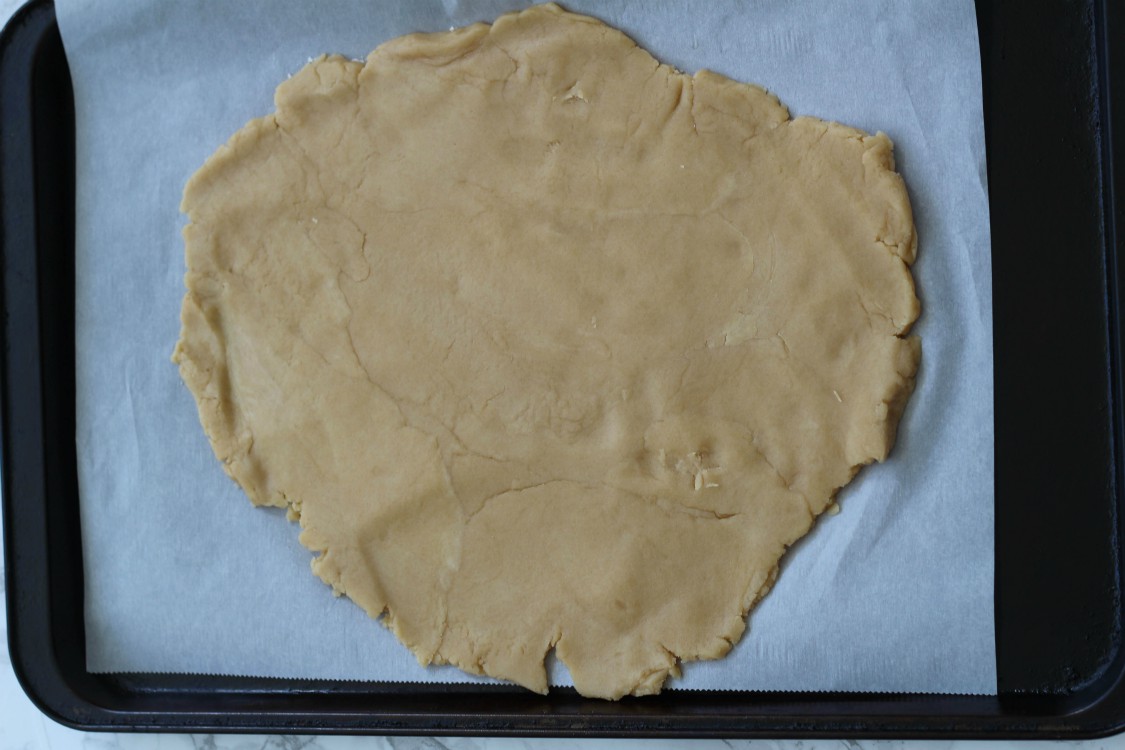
1054, 115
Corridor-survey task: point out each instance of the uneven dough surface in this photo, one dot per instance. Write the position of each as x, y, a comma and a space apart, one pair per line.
547, 345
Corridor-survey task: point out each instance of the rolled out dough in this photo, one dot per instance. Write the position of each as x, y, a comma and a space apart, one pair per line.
546, 344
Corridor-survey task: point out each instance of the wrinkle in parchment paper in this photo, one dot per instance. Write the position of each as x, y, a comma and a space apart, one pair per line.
182, 574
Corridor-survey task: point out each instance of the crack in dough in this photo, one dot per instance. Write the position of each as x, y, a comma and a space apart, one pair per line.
545, 344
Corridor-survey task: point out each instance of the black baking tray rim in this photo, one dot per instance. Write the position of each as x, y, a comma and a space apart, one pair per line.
1053, 177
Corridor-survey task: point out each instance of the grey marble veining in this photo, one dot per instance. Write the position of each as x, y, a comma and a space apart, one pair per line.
253, 742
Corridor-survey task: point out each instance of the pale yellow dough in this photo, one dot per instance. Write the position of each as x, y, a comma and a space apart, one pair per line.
547, 345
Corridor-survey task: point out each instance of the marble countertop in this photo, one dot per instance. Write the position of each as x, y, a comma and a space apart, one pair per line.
23, 727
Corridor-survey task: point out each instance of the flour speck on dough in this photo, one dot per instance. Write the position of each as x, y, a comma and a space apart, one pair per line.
546, 344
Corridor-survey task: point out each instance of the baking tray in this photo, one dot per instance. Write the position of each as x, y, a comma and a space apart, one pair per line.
1051, 78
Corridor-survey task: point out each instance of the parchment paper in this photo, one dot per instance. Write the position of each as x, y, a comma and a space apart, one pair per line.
183, 575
